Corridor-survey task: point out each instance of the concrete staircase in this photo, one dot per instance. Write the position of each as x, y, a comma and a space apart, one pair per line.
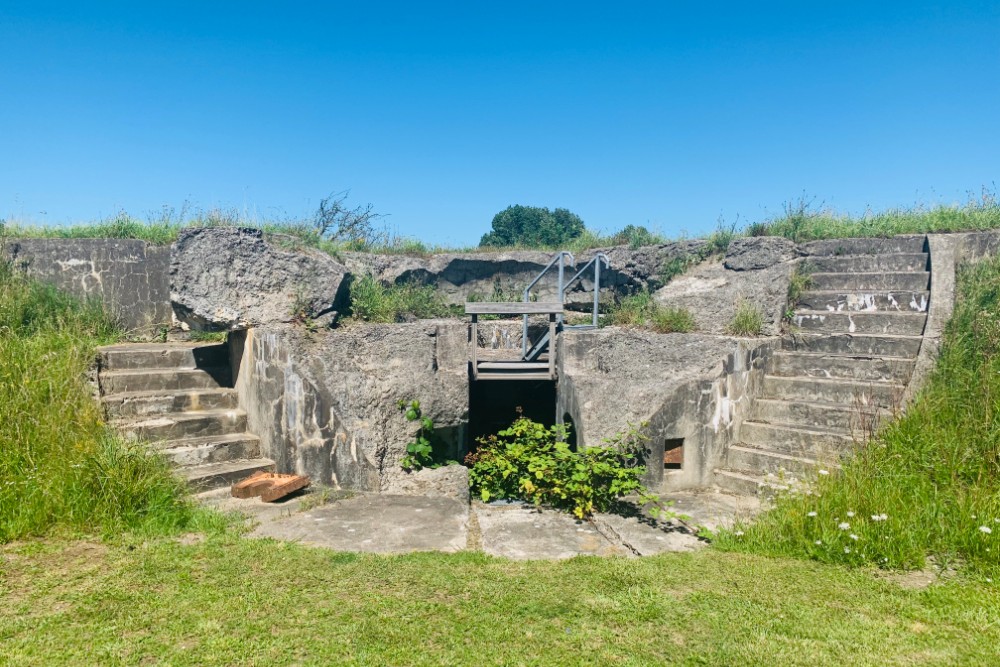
179, 398
857, 334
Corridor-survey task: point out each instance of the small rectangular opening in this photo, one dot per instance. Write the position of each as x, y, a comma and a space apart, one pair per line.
673, 453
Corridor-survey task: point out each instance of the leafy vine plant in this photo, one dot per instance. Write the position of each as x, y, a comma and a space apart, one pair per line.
419, 452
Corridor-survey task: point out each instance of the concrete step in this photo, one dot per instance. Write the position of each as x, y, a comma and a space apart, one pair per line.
185, 452
876, 280
185, 425
217, 475
906, 324
746, 483
795, 440
868, 263
757, 460
826, 416
844, 392
143, 356
841, 301
121, 382
915, 243
847, 344
833, 366
139, 404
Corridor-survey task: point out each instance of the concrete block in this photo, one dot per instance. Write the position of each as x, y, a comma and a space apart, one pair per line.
868, 263
141, 404
906, 324
878, 281
854, 344
832, 366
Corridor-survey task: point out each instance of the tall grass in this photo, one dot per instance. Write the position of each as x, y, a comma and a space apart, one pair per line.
747, 321
929, 483
802, 221
373, 301
642, 311
60, 466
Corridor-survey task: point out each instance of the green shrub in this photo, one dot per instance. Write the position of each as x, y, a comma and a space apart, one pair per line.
642, 310
748, 320
373, 301
531, 462
928, 484
59, 465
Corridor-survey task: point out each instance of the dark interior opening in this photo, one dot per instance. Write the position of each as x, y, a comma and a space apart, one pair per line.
570, 431
673, 453
493, 405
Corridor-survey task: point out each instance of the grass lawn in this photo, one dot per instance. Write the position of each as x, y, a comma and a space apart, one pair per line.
229, 600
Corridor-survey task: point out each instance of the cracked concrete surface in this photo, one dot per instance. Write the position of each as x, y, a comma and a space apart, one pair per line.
380, 523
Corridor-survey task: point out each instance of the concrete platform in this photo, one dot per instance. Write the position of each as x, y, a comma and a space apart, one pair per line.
399, 524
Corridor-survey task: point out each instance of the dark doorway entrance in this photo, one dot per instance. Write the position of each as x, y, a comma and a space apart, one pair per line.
493, 405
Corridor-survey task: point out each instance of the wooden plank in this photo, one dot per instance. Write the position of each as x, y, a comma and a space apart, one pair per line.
270, 486
513, 376
251, 486
283, 486
513, 366
519, 308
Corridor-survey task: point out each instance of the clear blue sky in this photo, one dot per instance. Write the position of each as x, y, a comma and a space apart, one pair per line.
667, 114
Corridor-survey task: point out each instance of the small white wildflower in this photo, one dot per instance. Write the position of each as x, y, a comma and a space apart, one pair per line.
850, 515
996, 520
854, 537
879, 517
847, 550
824, 472
988, 580
985, 529
738, 533
844, 525
819, 541
973, 516
811, 514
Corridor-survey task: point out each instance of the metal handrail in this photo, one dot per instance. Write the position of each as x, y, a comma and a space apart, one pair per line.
560, 256
598, 258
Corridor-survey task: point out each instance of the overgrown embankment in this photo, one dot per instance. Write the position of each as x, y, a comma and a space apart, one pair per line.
929, 483
800, 221
60, 466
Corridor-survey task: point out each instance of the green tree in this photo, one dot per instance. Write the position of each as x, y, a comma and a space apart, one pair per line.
533, 226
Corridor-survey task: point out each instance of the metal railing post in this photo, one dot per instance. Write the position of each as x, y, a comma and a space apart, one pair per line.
597, 287
562, 298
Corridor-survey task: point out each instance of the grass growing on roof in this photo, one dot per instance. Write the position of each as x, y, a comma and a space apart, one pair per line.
373, 301
929, 483
641, 310
60, 466
747, 321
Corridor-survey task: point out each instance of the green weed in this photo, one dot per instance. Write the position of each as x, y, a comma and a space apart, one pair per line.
642, 310
748, 320
373, 301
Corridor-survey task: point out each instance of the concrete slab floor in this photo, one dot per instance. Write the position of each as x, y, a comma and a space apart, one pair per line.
345, 521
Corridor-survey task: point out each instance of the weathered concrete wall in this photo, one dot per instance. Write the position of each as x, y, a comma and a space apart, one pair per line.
689, 386
130, 277
325, 404
464, 277
756, 270
230, 278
